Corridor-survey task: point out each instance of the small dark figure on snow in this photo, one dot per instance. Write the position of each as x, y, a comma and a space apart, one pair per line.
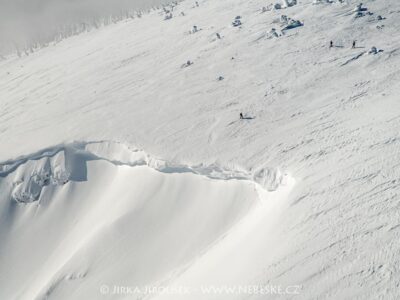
331, 44
241, 116
354, 44
218, 36
187, 64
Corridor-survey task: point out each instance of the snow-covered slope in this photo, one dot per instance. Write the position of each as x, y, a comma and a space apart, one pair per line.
81, 220
303, 192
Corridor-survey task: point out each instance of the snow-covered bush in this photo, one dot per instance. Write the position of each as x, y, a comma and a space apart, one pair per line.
288, 23
374, 50
237, 22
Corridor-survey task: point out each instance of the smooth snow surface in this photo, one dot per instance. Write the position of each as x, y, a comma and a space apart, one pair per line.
303, 191
102, 220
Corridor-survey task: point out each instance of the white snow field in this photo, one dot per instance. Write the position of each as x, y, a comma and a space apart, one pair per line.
124, 221
299, 200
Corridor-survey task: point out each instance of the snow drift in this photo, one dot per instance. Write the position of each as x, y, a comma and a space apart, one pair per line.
78, 216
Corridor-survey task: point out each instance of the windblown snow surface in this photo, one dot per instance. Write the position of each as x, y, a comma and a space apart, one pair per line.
300, 198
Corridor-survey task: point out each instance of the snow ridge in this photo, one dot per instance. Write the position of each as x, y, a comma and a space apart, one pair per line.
62, 163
